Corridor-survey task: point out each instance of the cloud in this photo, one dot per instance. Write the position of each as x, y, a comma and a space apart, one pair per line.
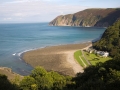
34, 10
9, 18
19, 14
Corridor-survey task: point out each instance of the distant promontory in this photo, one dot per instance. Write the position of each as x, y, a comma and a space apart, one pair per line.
88, 18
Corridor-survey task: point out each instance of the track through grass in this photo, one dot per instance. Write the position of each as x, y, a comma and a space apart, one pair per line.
80, 59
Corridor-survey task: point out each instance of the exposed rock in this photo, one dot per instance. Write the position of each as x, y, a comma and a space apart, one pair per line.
88, 18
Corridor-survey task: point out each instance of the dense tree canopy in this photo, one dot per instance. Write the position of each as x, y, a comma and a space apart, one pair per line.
103, 76
5, 84
110, 40
40, 79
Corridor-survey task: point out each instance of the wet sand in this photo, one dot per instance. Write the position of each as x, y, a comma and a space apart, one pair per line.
57, 58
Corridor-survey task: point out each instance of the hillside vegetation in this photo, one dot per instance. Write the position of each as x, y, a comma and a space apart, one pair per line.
103, 76
110, 40
89, 17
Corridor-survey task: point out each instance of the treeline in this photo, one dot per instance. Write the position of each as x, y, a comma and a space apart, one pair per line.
39, 79
110, 40
103, 76
5, 84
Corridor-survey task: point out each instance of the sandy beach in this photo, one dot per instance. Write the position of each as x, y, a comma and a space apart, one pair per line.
57, 58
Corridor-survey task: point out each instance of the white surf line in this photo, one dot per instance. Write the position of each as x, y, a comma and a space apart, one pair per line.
14, 54
83, 62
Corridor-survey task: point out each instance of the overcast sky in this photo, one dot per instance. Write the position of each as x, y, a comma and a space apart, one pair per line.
15, 11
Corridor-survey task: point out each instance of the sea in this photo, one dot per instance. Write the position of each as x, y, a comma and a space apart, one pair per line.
18, 38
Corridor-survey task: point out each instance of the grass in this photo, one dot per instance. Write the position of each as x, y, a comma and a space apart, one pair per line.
93, 58
77, 56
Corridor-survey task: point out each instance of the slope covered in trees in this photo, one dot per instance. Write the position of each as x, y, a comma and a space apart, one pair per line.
110, 40
5, 84
40, 79
103, 76
89, 17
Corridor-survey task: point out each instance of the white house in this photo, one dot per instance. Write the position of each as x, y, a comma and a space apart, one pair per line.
106, 54
102, 53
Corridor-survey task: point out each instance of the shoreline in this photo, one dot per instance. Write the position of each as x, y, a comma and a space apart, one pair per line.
32, 49
58, 58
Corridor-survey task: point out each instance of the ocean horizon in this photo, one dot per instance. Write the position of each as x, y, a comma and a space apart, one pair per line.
16, 39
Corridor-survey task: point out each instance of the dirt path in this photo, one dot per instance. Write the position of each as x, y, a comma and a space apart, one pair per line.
82, 61
85, 58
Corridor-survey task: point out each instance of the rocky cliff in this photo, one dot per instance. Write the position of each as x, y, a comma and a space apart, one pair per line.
88, 17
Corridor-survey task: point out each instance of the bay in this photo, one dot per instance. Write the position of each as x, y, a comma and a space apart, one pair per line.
18, 38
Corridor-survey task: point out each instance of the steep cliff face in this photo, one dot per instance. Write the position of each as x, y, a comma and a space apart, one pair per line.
88, 17
62, 20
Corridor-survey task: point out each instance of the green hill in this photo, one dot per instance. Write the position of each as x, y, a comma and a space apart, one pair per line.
89, 17
110, 40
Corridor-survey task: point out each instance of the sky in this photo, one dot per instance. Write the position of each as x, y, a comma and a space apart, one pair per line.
29, 11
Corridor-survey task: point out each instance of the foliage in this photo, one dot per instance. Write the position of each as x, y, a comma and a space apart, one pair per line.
110, 40
103, 76
38, 71
5, 84
40, 79
27, 83
16, 80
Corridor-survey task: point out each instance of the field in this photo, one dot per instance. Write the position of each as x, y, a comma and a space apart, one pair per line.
80, 59
93, 58
83, 58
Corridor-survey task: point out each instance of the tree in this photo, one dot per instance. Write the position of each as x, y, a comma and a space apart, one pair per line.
5, 84
28, 83
44, 82
110, 40
38, 71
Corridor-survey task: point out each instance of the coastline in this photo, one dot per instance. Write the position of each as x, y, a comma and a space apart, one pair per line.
57, 58
9, 73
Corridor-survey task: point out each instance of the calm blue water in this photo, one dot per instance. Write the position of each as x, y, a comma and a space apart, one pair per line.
17, 38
